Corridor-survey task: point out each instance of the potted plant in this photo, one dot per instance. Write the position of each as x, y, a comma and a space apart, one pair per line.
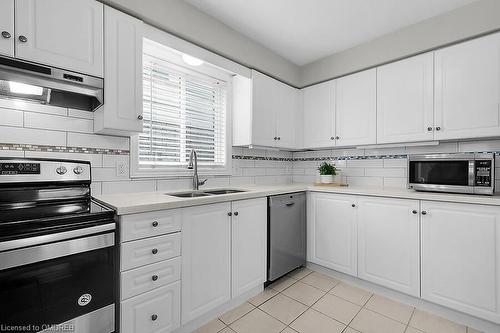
327, 171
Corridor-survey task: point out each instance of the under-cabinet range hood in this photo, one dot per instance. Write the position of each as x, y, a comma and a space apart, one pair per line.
22, 80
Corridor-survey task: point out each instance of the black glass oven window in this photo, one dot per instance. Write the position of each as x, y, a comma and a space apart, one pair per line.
48, 292
440, 172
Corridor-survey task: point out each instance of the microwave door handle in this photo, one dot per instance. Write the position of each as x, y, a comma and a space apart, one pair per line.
472, 172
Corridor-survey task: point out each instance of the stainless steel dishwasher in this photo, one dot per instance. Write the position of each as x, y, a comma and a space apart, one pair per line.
286, 234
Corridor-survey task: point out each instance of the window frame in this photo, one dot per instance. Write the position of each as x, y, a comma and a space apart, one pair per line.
203, 170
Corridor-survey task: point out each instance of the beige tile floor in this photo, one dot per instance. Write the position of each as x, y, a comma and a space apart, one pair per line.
310, 302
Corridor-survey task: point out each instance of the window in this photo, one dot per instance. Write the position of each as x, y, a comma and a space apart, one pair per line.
183, 109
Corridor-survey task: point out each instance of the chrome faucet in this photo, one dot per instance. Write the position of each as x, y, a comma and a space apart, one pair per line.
193, 164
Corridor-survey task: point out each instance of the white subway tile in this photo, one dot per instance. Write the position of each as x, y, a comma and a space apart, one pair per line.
390, 182
395, 163
110, 161
479, 146
237, 150
31, 136
265, 180
352, 172
128, 186
385, 151
265, 164
80, 114
98, 141
304, 179
371, 163
239, 181
59, 123
348, 152
246, 163
9, 117
177, 184
213, 182
33, 107
107, 174
446, 147
254, 152
298, 171
254, 172
281, 180
94, 159
11, 153
386, 172
275, 172
95, 188
366, 181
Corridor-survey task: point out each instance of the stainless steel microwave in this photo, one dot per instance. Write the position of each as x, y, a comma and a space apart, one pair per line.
471, 173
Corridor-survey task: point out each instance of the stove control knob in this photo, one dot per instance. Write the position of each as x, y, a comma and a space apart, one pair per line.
61, 170
78, 170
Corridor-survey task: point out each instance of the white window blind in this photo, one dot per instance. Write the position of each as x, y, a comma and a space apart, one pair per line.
183, 110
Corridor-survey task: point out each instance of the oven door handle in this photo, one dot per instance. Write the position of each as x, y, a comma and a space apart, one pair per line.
55, 237
33, 254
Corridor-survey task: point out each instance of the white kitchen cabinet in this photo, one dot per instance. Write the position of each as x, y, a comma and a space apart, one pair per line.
461, 257
405, 100
332, 231
265, 112
206, 259
61, 33
319, 115
388, 243
356, 109
467, 89
156, 311
249, 245
121, 113
7, 35
149, 250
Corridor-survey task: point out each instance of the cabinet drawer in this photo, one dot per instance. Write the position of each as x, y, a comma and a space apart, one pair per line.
151, 224
157, 311
150, 250
146, 278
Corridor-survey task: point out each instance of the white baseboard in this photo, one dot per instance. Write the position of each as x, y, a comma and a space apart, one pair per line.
456, 316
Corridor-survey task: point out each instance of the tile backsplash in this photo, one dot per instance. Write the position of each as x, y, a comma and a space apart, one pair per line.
31, 130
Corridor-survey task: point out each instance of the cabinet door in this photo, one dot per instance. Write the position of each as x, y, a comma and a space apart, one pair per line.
467, 81
61, 33
7, 36
206, 259
249, 245
388, 243
319, 115
287, 110
264, 100
156, 311
405, 92
332, 231
356, 109
461, 257
123, 71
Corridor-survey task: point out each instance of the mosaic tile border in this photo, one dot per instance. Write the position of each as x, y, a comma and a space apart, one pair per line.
262, 158
61, 149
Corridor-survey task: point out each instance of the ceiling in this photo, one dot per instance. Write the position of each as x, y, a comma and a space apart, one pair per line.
303, 31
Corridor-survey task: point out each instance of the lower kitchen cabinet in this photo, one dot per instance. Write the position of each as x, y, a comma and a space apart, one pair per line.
388, 243
332, 231
156, 311
461, 257
206, 258
249, 245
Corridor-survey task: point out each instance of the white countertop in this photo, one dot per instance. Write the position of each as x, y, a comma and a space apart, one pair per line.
130, 203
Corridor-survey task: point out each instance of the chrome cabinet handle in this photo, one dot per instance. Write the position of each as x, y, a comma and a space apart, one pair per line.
155, 224
140, 117
438, 128
424, 212
429, 129
414, 211
229, 214
6, 34
154, 277
337, 137
279, 138
332, 138
353, 205
23, 39
154, 317
154, 251
275, 138
236, 213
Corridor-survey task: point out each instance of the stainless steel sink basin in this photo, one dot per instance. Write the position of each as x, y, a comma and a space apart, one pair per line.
223, 191
189, 194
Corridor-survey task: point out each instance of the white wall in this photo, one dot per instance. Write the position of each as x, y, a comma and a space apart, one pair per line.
186, 21
465, 22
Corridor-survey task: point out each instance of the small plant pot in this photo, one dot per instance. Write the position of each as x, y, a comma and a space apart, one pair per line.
326, 179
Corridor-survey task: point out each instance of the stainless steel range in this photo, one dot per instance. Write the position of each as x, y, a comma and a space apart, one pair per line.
57, 249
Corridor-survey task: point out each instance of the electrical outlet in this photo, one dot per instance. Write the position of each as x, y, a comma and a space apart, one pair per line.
121, 168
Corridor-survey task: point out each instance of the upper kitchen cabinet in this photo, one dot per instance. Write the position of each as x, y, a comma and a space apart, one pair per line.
61, 33
356, 109
405, 110
264, 112
467, 89
7, 27
121, 113
319, 115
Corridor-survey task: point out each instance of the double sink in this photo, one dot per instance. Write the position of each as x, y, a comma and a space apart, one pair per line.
196, 194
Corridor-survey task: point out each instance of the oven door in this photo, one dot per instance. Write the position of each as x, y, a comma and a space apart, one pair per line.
69, 281
441, 174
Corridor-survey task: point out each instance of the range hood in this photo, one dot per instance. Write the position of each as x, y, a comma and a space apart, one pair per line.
22, 80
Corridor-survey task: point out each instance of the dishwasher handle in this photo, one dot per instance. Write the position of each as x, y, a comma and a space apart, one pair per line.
289, 204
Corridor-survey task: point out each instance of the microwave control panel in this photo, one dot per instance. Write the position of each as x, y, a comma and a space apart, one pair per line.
483, 173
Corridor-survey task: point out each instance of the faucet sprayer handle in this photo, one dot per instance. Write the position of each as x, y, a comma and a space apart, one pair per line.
202, 182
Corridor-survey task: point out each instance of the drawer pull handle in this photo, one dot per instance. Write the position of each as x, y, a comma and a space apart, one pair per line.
155, 224
424, 212
353, 205
236, 213
154, 251
154, 317
154, 277
229, 214
414, 211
